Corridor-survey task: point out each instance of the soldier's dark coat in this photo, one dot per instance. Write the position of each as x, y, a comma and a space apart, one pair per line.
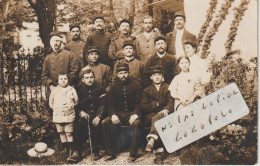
76, 47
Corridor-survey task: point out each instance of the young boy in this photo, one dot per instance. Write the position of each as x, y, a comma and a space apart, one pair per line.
63, 99
136, 67
91, 112
103, 74
156, 103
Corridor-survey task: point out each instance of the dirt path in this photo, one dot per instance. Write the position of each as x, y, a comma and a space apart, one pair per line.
144, 159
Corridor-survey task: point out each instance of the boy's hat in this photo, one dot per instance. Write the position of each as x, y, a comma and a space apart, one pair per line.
40, 149
128, 42
93, 49
125, 20
56, 33
122, 67
74, 25
179, 13
156, 69
159, 37
97, 16
191, 41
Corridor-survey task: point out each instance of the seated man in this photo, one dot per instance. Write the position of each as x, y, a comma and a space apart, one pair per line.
124, 100
156, 103
92, 99
103, 74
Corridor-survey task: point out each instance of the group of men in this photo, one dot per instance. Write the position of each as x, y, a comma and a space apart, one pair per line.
123, 81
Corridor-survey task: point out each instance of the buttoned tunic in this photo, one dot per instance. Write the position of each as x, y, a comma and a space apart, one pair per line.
145, 47
59, 62
63, 101
124, 99
169, 64
92, 100
76, 47
136, 69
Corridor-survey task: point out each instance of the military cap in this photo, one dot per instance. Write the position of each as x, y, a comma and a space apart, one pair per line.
122, 67
156, 69
74, 25
125, 20
56, 33
191, 41
93, 49
98, 16
119, 55
128, 42
158, 37
180, 13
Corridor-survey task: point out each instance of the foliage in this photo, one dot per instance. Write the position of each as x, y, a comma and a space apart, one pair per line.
238, 14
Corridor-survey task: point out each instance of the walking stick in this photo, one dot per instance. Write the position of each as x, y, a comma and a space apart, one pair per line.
90, 143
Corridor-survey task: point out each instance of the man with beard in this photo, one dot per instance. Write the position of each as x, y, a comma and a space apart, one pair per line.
76, 45
167, 61
59, 61
124, 110
117, 43
175, 39
101, 39
145, 40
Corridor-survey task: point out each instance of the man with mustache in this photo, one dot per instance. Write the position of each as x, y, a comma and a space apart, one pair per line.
59, 61
117, 43
145, 40
76, 45
101, 39
124, 100
175, 39
161, 58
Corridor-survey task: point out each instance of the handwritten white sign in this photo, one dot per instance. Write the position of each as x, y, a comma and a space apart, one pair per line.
201, 118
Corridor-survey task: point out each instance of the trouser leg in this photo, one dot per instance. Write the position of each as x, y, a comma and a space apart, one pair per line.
135, 137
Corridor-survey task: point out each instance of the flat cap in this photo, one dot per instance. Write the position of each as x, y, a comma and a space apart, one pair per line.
180, 13
56, 33
128, 42
159, 37
74, 25
93, 49
125, 20
98, 16
122, 67
156, 69
191, 41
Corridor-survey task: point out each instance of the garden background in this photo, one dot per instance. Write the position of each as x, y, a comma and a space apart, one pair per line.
227, 38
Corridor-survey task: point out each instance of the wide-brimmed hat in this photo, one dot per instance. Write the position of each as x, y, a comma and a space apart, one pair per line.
40, 149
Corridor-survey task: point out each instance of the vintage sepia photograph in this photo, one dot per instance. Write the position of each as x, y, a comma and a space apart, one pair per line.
128, 82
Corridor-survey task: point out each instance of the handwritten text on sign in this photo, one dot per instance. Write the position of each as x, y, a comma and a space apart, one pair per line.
201, 118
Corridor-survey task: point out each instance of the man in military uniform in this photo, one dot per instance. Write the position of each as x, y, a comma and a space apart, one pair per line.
145, 40
76, 45
101, 39
162, 58
92, 100
59, 61
124, 110
117, 42
175, 39
136, 67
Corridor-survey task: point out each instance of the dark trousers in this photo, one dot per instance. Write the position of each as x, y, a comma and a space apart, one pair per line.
81, 135
111, 134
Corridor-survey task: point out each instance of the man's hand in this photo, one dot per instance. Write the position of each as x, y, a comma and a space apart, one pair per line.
115, 119
96, 121
84, 115
132, 119
52, 87
165, 112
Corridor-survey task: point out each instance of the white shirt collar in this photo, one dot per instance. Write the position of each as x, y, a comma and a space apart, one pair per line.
161, 55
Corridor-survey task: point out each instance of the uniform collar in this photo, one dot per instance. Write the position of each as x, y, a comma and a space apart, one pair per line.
129, 59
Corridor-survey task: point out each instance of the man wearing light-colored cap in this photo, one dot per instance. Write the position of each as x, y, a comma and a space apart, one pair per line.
175, 39
76, 45
59, 61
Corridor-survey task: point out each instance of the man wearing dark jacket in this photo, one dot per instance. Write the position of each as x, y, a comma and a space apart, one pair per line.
167, 61
92, 99
156, 103
101, 39
124, 110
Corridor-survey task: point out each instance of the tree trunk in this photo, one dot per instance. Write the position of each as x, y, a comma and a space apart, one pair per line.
112, 14
132, 11
150, 8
